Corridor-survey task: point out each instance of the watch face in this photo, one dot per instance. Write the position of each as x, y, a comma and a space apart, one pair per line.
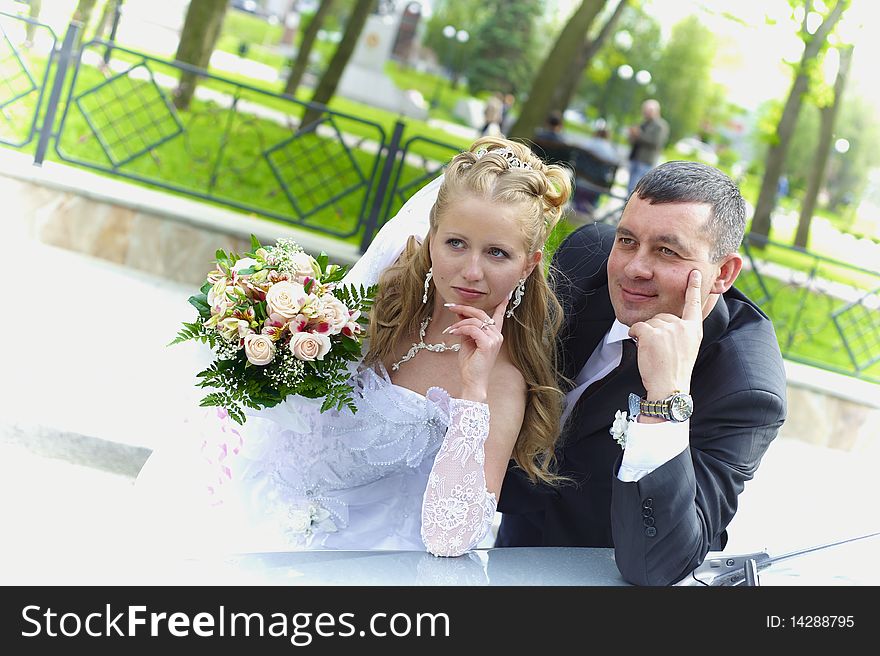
681, 406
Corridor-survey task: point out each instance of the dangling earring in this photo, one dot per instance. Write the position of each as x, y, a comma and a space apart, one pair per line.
428, 277
517, 297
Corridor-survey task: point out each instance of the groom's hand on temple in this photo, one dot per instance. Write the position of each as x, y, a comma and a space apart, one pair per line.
668, 346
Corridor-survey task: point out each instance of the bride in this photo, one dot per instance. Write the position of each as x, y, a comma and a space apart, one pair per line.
458, 378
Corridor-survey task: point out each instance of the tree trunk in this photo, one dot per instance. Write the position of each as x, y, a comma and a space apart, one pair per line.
83, 11
330, 79
34, 13
305, 47
199, 35
102, 29
761, 221
568, 86
83, 14
820, 161
569, 41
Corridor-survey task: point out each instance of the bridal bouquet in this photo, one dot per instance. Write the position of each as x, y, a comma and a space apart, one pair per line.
279, 323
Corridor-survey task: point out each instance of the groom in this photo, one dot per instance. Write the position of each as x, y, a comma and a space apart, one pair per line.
654, 328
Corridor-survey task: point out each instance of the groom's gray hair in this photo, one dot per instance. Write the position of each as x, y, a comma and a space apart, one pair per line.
680, 181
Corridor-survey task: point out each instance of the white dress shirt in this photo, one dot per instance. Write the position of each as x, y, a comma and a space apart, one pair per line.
647, 445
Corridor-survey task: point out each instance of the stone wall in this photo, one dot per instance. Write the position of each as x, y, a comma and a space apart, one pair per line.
832, 410
148, 230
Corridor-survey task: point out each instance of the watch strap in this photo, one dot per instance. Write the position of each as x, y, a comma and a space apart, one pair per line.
656, 408
661, 409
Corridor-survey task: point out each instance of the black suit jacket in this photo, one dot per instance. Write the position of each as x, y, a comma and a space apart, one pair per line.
662, 525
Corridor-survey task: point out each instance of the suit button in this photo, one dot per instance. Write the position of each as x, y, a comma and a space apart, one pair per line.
648, 521
648, 503
650, 531
647, 512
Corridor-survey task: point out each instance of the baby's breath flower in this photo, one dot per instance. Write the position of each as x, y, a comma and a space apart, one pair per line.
227, 349
281, 256
287, 370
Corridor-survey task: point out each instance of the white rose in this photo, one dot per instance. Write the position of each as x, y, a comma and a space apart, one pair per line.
244, 263
300, 519
259, 349
335, 313
619, 428
285, 298
309, 346
304, 266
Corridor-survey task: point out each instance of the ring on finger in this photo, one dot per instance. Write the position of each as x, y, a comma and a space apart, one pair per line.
485, 324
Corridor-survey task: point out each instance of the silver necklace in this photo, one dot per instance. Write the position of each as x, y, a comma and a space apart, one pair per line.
422, 346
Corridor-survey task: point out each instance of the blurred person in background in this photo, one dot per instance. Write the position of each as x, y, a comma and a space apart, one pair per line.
648, 140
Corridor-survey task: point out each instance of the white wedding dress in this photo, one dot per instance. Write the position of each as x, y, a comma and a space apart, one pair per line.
403, 472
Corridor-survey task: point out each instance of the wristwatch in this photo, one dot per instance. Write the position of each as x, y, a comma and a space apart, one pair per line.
677, 407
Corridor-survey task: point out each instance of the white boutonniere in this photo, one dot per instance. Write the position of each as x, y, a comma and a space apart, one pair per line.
308, 520
619, 428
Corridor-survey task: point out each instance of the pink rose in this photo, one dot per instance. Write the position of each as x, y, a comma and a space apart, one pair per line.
309, 346
285, 298
259, 349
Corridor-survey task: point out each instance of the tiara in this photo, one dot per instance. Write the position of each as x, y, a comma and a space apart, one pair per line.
513, 161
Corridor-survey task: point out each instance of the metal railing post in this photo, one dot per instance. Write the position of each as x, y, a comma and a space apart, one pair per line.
63, 58
805, 295
117, 14
382, 188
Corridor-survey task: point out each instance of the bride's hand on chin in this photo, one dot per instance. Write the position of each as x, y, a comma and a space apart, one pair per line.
481, 341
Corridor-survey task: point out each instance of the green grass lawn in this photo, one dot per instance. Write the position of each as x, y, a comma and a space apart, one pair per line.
239, 26
806, 330
263, 40
835, 271
265, 93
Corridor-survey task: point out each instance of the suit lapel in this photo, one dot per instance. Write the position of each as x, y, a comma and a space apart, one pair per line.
577, 346
594, 412
716, 324
589, 317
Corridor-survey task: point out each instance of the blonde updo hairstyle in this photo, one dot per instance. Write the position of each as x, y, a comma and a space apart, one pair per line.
541, 193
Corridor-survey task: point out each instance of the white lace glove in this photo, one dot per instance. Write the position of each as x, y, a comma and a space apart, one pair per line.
457, 509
